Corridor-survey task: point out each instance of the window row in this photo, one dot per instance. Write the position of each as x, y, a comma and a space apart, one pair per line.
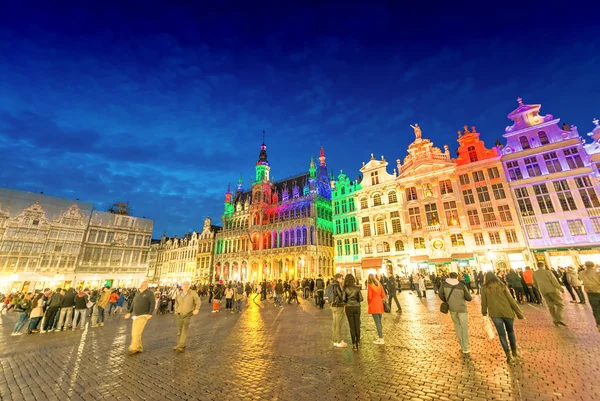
555, 229
108, 237
24, 247
114, 257
551, 162
344, 206
345, 225
30, 264
344, 248
479, 176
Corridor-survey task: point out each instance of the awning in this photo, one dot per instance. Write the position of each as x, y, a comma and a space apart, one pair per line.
372, 263
419, 258
463, 256
440, 260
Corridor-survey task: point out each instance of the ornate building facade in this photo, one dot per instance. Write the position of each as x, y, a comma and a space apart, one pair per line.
40, 240
277, 229
555, 184
345, 227
115, 250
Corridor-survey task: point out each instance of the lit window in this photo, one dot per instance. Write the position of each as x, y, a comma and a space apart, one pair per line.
419, 242
511, 236
554, 229
576, 227
596, 224
533, 231
451, 213
457, 240
415, 218
552, 162
431, 214
473, 217
364, 203
468, 196
464, 179
479, 241
411, 194
495, 238
445, 187
376, 200
392, 198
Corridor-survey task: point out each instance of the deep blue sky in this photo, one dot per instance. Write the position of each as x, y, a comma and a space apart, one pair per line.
163, 104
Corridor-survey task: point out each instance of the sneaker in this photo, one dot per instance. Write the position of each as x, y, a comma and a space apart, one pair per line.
101, 324
43, 331
343, 344
14, 334
379, 341
20, 334
51, 330
337, 345
466, 351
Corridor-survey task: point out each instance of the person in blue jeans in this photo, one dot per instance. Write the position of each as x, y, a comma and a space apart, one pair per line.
497, 302
23, 307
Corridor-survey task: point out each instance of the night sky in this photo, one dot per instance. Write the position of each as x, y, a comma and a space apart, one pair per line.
163, 104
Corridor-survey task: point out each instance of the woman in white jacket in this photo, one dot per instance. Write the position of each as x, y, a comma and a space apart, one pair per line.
575, 282
422, 286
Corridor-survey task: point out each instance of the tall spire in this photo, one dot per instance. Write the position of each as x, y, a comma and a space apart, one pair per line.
240, 184
322, 157
312, 169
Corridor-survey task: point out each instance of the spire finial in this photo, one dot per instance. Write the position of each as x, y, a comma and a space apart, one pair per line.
520, 100
596, 122
466, 129
263, 136
459, 134
322, 156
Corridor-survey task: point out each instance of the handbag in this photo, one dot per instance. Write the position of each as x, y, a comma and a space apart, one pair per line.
487, 326
386, 306
445, 307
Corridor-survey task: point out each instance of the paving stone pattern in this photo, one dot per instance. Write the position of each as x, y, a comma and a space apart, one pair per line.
271, 353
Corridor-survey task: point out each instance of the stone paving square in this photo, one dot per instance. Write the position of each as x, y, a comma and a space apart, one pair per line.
271, 353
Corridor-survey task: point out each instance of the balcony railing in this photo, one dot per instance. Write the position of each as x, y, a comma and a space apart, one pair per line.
491, 224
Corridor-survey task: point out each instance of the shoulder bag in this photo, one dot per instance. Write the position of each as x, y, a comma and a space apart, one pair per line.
445, 307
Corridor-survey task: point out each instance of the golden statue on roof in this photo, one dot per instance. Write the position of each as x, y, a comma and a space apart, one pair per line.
417, 130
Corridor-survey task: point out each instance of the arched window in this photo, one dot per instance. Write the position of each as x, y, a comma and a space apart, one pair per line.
343, 191
304, 235
399, 245
392, 197
376, 200
543, 138
524, 142
472, 153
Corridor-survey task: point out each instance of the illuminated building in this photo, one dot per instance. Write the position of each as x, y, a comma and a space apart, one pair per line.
186, 259
115, 250
345, 227
555, 185
494, 238
40, 240
277, 229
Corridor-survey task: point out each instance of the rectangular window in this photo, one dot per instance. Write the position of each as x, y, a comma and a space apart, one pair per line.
445, 187
365, 219
380, 227
473, 217
130, 239
479, 241
431, 214
354, 246
366, 230
554, 229
493, 172
338, 247
468, 196
532, 166
576, 227
364, 203
396, 226
511, 236
92, 236
419, 242
573, 158
498, 190
543, 198
368, 248
338, 227
483, 194
336, 207
344, 206
110, 237
524, 202
478, 176
495, 238
392, 198
457, 240
415, 218
138, 240
504, 212
514, 171
374, 178
451, 213
533, 231
596, 224
101, 237
347, 246
552, 162
587, 192
565, 197
464, 179
488, 214
411, 194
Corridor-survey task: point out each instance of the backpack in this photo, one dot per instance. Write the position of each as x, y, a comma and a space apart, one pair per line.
330, 293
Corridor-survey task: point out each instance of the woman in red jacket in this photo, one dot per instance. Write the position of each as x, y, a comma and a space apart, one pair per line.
375, 297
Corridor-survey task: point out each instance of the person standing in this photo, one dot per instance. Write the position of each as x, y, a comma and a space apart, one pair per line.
279, 294
23, 307
112, 302
455, 294
37, 311
375, 298
65, 318
479, 281
515, 282
320, 286
422, 286
81, 301
140, 312
239, 296
52, 310
392, 292
352, 297
498, 303
591, 281
101, 305
564, 278
334, 296
187, 304
575, 282
533, 291
229, 297
547, 284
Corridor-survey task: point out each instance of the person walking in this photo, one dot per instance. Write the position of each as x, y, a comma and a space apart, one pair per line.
187, 304
575, 282
352, 297
112, 302
37, 311
239, 296
515, 282
334, 297
547, 284
101, 306
499, 304
422, 286
279, 294
320, 286
564, 278
591, 282
140, 312
533, 291
455, 294
375, 299
392, 290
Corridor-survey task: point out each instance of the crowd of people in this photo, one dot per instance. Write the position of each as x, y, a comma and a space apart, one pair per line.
501, 294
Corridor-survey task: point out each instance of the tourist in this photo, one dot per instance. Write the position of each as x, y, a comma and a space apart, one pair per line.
279, 294
239, 296
101, 306
112, 302
575, 282
229, 297
422, 286
534, 294
65, 318
334, 297
497, 302
392, 292
564, 278
515, 283
458, 308
467, 281
591, 281
140, 312
52, 309
81, 306
375, 299
37, 311
319, 284
217, 296
547, 284
24, 308
187, 304
120, 303
352, 297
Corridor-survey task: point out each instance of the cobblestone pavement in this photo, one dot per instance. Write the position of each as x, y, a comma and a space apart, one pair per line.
268, 353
